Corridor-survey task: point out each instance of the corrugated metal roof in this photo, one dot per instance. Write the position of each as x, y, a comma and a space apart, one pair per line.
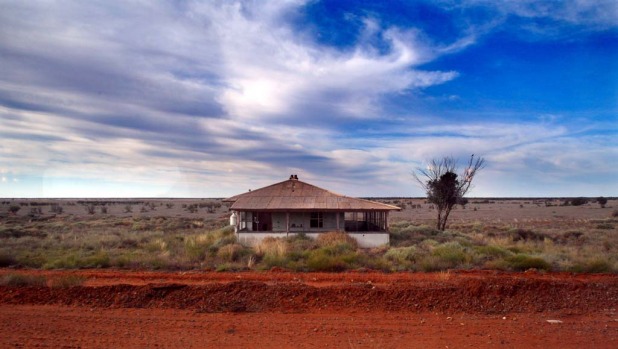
297, 195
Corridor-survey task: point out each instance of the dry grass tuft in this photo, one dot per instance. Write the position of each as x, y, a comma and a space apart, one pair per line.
271, 247
22, 280
336, 238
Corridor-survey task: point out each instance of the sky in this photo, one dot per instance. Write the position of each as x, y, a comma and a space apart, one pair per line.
213, 98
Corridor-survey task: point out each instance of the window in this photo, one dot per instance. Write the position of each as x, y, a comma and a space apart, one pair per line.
317, 220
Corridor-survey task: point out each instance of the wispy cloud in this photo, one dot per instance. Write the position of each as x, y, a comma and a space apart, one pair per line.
535, 20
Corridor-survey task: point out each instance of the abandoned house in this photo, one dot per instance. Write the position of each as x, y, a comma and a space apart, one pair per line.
292, 207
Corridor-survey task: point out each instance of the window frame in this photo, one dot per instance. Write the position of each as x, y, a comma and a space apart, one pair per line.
316, 220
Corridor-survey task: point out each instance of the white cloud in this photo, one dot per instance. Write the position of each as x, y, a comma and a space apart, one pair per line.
270, 71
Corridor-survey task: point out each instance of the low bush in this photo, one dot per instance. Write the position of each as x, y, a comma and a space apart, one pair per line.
337, 238
451, 252
596, 265
523, 262
196, 247
412, 235
602, 201
402, 255
432, 263
571, 237
526, 235
270, 261
79, 260
231, 253
578, 201
18, 232
300, 243
324, 259
22, 280
226, 267
271, 247
13, 209
492, 252
7, 260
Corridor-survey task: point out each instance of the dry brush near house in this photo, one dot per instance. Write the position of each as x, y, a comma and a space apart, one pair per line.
186, 242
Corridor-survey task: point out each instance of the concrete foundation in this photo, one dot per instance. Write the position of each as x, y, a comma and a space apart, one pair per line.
365, 239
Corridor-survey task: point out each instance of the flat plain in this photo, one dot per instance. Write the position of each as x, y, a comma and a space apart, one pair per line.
139, 277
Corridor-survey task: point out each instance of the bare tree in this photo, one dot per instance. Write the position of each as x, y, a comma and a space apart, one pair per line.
444, 187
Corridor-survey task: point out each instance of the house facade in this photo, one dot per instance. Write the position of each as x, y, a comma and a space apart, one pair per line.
293, 206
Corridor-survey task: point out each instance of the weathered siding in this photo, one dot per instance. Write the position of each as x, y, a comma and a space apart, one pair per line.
279, 221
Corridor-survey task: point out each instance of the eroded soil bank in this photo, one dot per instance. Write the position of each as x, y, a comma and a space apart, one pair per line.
280, 309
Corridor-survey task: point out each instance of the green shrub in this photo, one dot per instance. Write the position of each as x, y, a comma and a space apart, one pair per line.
322, 260
231, 253
597, 265
380, 263
492, 251
339, 249
224, 240
433, 263
226, 267
523, 262
21, 280
78, 260
272, 260
31, 259
452, 253
196, 247
301, 243
402, 255
412, 235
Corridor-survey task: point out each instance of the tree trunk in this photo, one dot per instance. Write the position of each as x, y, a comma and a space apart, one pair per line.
447, 211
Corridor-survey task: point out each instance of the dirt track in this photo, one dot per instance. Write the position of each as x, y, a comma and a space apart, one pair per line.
278, 309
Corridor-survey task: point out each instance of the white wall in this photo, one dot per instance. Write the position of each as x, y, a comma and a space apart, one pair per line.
365, 240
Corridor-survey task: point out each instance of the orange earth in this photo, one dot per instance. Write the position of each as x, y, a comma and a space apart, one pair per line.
277, 309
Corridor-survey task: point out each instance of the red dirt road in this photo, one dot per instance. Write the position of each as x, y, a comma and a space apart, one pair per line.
292, 310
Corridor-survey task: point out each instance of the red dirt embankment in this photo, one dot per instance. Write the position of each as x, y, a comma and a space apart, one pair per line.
113, 309
469, 292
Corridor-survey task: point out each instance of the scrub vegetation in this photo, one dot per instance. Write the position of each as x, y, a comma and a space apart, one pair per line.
177, 243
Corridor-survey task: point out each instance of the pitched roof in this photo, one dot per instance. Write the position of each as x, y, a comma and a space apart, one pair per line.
297, 195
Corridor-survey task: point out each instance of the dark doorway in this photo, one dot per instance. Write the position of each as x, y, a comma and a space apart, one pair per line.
262, 221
